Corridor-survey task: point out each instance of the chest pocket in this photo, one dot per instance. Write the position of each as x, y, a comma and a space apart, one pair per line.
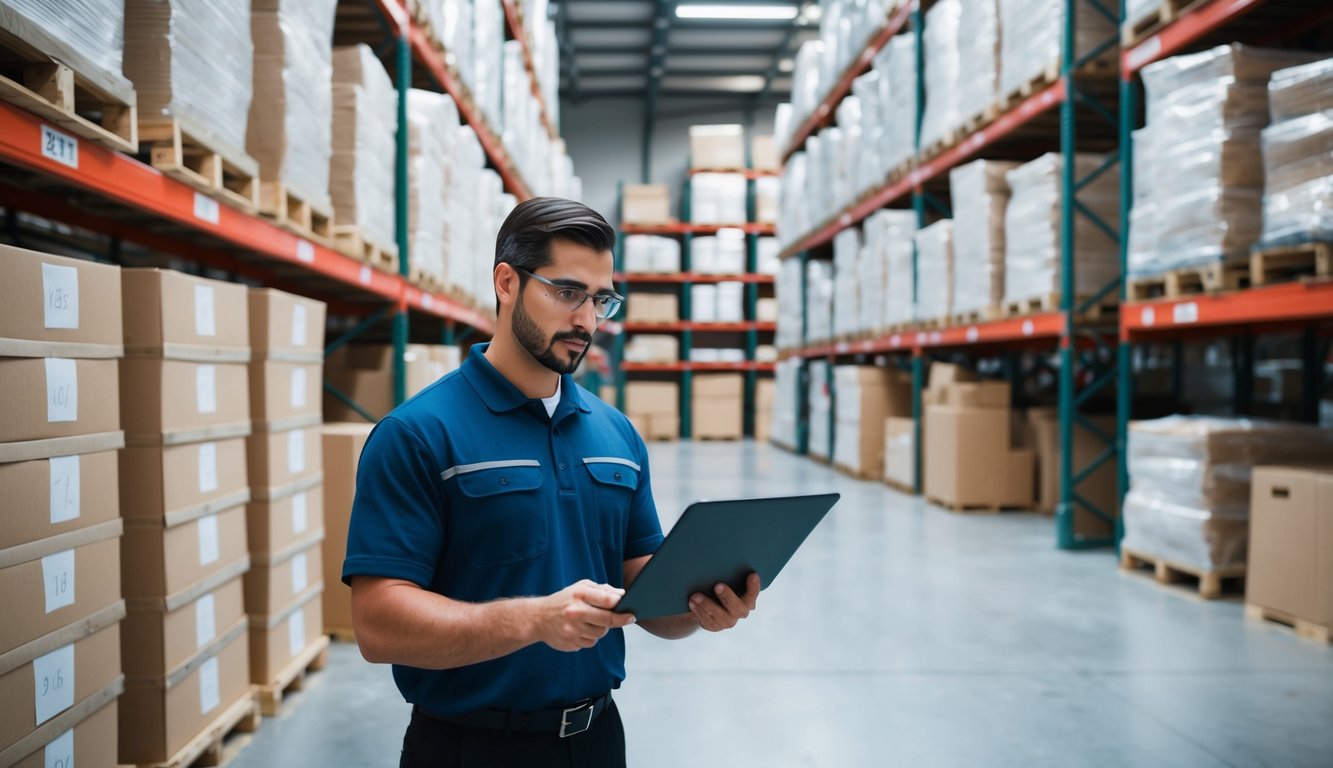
500, 516
614, 480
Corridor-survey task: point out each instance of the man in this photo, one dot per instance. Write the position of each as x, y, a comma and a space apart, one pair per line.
498, 515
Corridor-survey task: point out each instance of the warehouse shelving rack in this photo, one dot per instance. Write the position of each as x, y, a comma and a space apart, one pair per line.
685, 280
1074, 108
1305, 305
115, 195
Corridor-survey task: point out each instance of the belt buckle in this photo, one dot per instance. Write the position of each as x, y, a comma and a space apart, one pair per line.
576, 719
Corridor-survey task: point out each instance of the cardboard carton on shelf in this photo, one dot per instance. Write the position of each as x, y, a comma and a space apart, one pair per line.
1100, 487
159, 640
167, 402
52, 306
277, 579
764, 154
276, 523
645, 204
285, 395
968, 461
718, 147
169, 561
52, 398
284, 326
80, 735
282, 462
282, 636
900, 451
172, 482
58, 582
49, 497
1290, 572
181, 317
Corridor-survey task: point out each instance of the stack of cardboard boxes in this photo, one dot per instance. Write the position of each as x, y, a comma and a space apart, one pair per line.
1290, 575
765, 395
1041, 432
865, 396
342, 453
646, 307
364, 373
718, 406
645, 204
185, 404
970, 454
654, 408
285, 517
60, 665
717, 147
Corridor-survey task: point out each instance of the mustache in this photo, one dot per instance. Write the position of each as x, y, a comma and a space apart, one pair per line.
582, 336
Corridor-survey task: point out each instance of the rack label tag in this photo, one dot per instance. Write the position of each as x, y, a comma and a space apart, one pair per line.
206, 208
60, 147
1185, 313
305, 251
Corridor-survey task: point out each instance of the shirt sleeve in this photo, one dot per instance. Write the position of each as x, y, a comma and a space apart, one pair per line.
643, 534
397, 524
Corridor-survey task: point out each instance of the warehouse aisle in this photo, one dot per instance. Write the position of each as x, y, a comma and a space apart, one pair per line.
904, 635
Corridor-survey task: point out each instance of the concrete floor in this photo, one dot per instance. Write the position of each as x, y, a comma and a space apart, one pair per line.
905, 635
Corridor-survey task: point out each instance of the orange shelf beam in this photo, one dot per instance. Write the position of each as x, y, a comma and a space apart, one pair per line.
1015, 329
1179, 34
704, 367
749, 173
1298, 302
686, 325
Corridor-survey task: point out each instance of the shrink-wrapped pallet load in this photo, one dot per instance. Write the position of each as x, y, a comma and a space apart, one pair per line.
1298, 155
365, 124
935, 270
943, 61
979, 195
979, 57
1031, 35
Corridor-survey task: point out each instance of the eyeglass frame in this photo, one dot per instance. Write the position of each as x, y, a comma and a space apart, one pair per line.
620, 300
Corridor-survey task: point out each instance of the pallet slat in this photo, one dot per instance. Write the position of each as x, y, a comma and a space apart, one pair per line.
1281, 264
229, 175
1303, 628
294, 214
207, 748
292, 677
1171, 572
1218, 277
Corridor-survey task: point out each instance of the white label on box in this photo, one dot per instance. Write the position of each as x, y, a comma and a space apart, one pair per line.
298, 387
62, 390
60, 147
205, 620
298, 325
300, 512
64, 489
206, 388
54, 676
305, 251
206, 208
296, 633
60, 752
299, 578
58, 579
208, 539
205, 312
60, 296
208, 467
210, 692
1185, 313
295, 451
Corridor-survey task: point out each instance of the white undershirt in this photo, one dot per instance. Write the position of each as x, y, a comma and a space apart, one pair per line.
553, 401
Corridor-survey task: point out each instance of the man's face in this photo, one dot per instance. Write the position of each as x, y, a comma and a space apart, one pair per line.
552, 334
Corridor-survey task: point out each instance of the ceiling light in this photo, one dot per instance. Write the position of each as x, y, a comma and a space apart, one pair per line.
741, 12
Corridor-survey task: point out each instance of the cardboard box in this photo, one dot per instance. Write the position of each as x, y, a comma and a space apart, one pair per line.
47, 497
1291, 542
286, 327
868, 393
177, 482
285, 395
50, 398
83, 742
58, 582
718, 402
364, 372
158, 641
900, 451
274, 524
764, 154
967, 455
652, 398
342, 447
78, 665
717, 147
652, 308
645, 204
282, 637
719, 385
167, 561
1098, 488
160, 715
167, 402
277, 580
51, 306
181, 317
944, 374
979, 394
283, 461
1021, 469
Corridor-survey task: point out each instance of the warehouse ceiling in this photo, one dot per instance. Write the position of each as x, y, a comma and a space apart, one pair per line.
646, 49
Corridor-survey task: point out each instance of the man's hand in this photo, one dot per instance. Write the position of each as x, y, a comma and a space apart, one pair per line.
579, 615
728, 608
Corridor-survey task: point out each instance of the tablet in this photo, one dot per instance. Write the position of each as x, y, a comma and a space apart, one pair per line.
723, 541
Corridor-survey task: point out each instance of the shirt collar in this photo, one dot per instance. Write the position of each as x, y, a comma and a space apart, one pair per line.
500, 394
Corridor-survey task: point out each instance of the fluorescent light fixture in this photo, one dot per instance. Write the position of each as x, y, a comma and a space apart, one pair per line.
740, 12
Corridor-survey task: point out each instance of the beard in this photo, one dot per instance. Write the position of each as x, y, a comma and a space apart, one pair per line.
531, 339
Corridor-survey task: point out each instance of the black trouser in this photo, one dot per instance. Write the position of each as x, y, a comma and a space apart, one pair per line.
432, 743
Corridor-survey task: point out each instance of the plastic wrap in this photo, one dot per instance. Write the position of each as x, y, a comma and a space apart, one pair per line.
365, 123
820, 403
1224, 65
979, 196
86, 35
1032, 244
901, 102
488, 59
872, 279
846, 276
430, 116
1302, 90
1136, 10
783, 129
849, 157
889, 233
869, 171
717, 198
1031, 32
979, 62
290, 130
1189, 496
942, 67
791, 300
834, 31
794, 218
786, 399
456, 37
819, 301
934, 269
805, 93
192, 60
1298, 190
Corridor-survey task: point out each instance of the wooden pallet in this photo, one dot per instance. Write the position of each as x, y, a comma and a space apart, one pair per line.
1217, 277
1282, 264
294, 214
933, 324
1048, 76
1134, 32
968, 509
718, 438
1307, 629
899, 487
1168, 572
819, 459
35, 81
207, 749
292, 677
231, 177
349, 240
1050, 302
976, 316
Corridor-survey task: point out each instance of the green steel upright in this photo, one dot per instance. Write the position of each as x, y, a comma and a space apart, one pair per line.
401, 190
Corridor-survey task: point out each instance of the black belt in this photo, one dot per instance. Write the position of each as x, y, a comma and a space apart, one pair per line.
564, 722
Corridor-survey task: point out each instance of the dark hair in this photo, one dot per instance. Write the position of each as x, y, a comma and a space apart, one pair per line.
525, 238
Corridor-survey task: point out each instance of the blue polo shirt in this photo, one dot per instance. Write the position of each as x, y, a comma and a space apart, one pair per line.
470, 490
